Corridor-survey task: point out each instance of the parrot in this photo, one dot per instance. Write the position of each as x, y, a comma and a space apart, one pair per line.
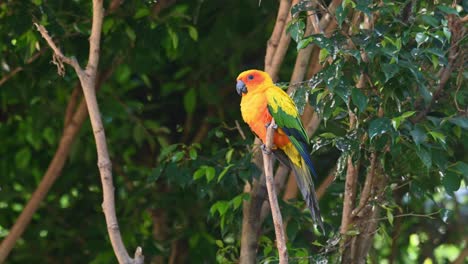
261, 101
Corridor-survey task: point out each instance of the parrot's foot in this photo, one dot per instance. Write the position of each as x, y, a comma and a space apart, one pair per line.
267, 125
265, 149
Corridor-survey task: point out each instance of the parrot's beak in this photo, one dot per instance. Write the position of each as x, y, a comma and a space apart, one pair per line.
241, 88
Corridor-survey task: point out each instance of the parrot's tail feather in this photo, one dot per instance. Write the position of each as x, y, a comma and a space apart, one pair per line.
306, 185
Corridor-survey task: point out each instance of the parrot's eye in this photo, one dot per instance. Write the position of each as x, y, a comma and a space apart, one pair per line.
250, 77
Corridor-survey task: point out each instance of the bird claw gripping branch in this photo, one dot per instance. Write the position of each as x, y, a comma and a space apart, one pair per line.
275, 126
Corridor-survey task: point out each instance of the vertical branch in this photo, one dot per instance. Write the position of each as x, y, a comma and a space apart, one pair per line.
349, 195
87, 79
275, 211
272, 44
252, 209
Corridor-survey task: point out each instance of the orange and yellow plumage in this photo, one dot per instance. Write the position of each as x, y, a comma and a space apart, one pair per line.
261, 101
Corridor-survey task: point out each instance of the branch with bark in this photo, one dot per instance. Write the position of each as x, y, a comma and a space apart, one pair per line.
272, 197
87, 79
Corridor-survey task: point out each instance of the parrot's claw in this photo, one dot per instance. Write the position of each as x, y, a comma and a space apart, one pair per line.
274, 127
265, 149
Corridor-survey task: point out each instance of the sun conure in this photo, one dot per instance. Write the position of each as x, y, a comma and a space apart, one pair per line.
261, 101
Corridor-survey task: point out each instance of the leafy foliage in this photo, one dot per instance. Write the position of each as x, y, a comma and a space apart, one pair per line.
169, 106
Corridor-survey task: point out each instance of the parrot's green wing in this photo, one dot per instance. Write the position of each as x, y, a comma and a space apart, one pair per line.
282, 108
284, 111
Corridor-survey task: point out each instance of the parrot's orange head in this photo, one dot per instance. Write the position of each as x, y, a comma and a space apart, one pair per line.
253, 80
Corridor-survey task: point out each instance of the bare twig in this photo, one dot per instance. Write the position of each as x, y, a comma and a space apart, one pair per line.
241, 132
88, 80
275, 211
366, 191
74, 98
326, 183
59, 58
272, 44
18, 69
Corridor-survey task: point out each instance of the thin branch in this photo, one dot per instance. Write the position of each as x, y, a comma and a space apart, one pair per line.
59, 58
88, 82
95, 39
326, 183
241, 132
18, 69
71, 107
272, 44
366, 191
352, 172
458, 31
275, 211
53, 171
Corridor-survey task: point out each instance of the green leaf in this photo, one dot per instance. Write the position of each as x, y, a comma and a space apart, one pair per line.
451, 182
304, 43
193, 33
199, 173
107, 25
220, 206
341, 13
425, 156
130, 33
155, 174
359, 99
190, 100
142, 12
296, 29
220, 243
237, 201
173, 36
462, 168
229, 155
396, 121
379, 126
22, 158
224, 171
178, 156
421, 37
193, 154
49, 135
390, 70
390, 216
460, 121
437, 136
447, 10
210, 173
300, 97
419, 135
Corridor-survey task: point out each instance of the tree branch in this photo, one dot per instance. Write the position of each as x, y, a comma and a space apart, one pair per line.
88, 82
18, 69
366, 191
58, 57
272, 44
53, 171
275, 211
457, 30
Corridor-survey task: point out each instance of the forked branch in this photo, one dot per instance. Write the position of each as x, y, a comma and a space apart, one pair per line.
88, 81
275, 211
